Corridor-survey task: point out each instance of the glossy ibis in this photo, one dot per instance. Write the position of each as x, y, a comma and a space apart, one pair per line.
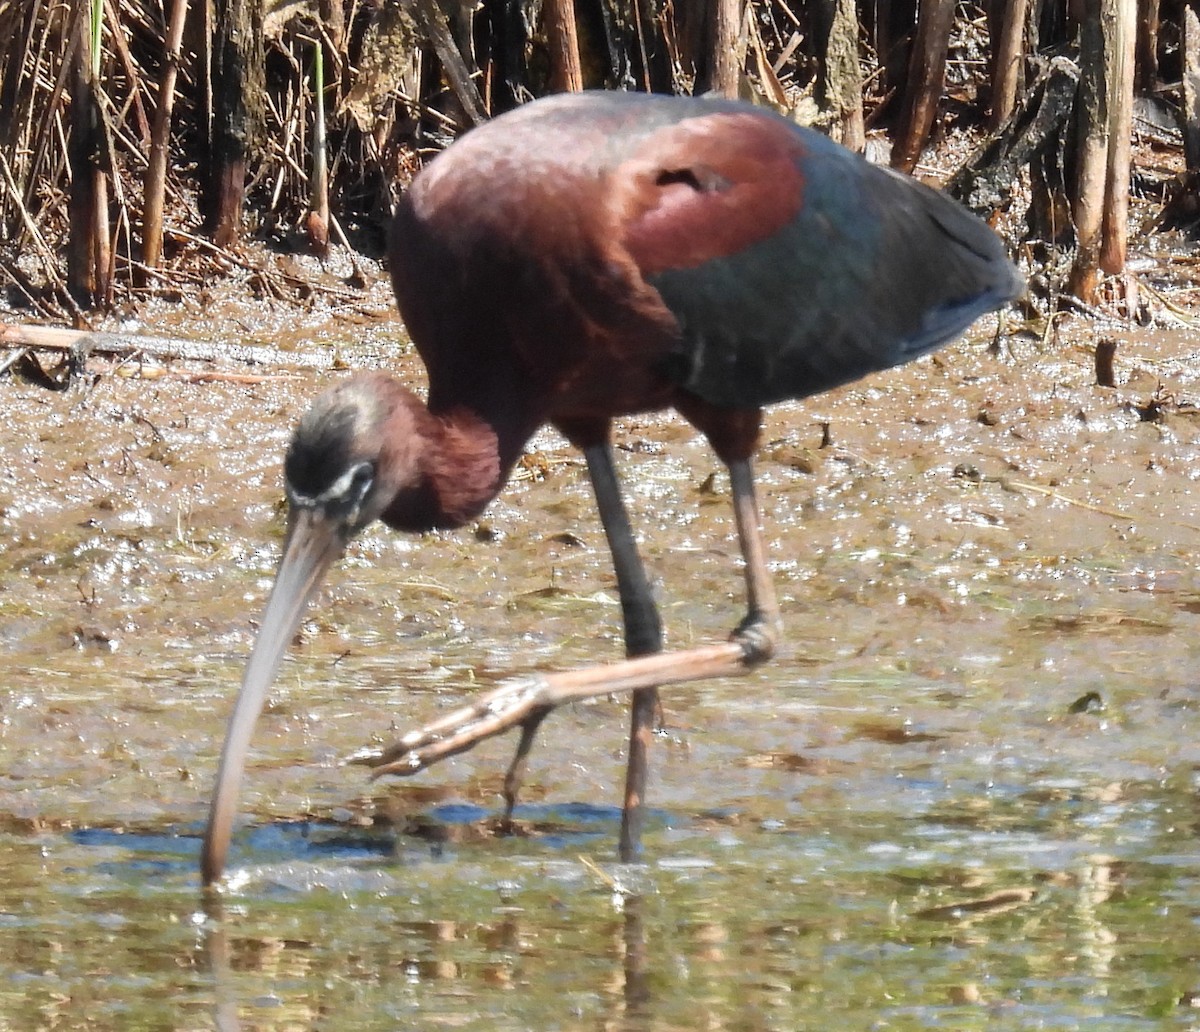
584, 257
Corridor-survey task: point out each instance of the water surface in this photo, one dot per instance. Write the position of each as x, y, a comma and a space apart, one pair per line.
964, 797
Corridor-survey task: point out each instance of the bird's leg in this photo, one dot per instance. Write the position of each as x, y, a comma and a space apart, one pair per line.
643, 627
761, 628
516, 769
643, 636
522, 701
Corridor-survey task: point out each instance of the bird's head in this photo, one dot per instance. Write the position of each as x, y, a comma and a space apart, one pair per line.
343, 466
354, 454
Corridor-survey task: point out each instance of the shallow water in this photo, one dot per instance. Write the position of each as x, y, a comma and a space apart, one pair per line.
964, 797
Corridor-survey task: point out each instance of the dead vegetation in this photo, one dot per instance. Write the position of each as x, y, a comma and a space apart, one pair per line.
144, 147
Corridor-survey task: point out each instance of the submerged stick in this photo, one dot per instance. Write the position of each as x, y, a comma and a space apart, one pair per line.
125, 345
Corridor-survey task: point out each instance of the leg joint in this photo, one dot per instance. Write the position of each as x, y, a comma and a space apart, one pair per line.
759, 636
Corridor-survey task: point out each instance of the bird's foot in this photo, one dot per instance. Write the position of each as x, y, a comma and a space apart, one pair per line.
758, 635
524, 701
516, 701
506, 828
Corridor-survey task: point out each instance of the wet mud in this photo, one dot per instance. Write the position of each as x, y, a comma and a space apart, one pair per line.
963, 796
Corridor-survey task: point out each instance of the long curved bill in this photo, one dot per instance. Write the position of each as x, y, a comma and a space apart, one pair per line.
313, 543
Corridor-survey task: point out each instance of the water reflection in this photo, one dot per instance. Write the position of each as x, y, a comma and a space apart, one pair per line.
425, 956
635, 987
216, 954
760, 931
664, 959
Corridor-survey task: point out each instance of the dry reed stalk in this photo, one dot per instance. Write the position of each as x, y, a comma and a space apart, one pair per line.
1105, 99
1008, 55
154, 194
1115, 231
1191, 85
318, 216
431, 20
726, 70
566, 71
927, 74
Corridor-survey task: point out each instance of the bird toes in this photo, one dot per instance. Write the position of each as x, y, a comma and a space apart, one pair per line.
758, 635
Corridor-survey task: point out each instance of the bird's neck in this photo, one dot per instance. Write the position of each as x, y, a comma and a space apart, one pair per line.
461, 460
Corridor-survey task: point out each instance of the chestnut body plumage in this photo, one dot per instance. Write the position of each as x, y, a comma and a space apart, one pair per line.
593, 255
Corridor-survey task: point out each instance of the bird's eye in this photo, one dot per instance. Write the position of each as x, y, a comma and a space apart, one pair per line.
345, 499
363, 473
361, 479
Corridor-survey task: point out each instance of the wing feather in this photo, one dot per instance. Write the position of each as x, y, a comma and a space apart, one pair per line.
793, 266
